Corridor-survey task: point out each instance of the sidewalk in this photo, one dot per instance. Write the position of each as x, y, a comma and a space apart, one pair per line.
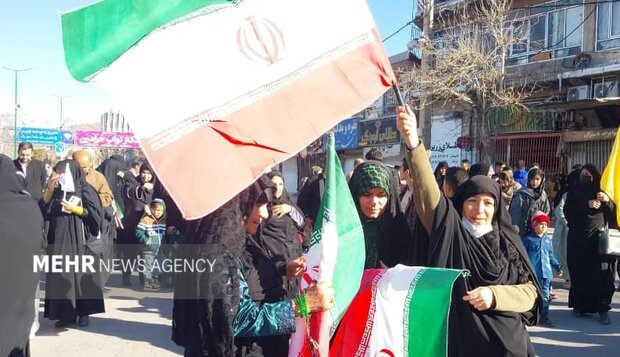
577, 336
136, 324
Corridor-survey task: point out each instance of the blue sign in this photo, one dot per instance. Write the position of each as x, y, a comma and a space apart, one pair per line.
346, 134
67, 137
45, 136
39, 135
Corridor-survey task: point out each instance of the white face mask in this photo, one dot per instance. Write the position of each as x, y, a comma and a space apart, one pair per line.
476, 231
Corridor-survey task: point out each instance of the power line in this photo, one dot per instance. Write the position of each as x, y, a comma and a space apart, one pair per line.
397, 31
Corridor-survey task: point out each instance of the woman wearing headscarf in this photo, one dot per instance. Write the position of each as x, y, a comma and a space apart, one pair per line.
491, 307
21, 234
271, 262
587, 211
528, 200
509, 186
386, 232
72, 226
136, 194
212, 310
278, 236
110, 168
440, 173
482, 169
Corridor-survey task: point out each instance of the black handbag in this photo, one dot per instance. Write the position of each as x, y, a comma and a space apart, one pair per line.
609, 242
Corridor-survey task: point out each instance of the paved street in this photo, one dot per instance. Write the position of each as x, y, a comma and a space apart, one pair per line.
577, 336
137, 324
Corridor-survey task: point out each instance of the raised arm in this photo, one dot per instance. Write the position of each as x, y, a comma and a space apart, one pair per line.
425, 189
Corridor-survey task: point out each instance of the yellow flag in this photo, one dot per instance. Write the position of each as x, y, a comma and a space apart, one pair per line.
610, 181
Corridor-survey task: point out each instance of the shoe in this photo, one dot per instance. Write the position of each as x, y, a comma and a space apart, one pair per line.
579, 313
64, 323
603, 318
107, 290
83, 321
553, 297
151, 286
545, 322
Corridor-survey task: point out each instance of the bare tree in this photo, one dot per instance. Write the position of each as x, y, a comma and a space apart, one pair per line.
468, 52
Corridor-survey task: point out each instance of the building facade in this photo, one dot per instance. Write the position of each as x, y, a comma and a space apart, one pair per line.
568, 52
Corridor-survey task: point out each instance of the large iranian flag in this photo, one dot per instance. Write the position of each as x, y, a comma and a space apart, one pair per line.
398, 312
336, 254
218, 91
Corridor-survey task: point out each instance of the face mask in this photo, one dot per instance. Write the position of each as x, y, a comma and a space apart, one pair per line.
585, 180
476, 231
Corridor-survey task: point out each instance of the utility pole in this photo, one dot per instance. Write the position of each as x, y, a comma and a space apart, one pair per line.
16, 107
61, 98
425, 99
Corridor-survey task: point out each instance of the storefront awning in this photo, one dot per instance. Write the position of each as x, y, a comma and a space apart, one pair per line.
578, 104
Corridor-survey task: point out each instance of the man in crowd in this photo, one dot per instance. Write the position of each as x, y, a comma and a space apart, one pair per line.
33, 170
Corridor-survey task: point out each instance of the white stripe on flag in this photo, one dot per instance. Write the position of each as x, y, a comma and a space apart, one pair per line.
162, 81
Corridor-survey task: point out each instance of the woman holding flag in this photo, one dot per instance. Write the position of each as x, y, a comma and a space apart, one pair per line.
491, 307
212, 310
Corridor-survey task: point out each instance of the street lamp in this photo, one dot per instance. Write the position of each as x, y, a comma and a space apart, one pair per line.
61, 98
16, 107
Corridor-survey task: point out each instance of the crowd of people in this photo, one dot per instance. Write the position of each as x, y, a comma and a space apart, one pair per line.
492, 222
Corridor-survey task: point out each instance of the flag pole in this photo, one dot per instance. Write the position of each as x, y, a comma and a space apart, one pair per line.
399, 97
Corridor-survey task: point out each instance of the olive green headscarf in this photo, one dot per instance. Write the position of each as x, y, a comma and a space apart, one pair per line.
371, 176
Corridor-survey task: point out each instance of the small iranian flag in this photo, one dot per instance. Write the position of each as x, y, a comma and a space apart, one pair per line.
336, 254
227, 86
401, 311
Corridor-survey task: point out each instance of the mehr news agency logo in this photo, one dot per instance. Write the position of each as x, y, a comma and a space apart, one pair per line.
88, 264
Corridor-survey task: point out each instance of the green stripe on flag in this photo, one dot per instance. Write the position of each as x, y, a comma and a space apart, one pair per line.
96, 35
351, 247
426, 330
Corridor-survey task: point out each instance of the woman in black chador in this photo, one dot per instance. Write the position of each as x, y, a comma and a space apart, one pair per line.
587, 211
491, 307
21, 234
72, 228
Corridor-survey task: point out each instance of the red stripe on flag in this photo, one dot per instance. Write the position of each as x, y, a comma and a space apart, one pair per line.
218, 165
354, 331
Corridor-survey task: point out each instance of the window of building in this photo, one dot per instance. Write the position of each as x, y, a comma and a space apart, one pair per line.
551, 30
608, 26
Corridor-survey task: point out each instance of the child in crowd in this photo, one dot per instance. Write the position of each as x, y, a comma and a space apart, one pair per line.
540, 250
171, 249
149, 233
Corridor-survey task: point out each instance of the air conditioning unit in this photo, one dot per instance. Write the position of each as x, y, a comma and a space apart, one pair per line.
607, 89
578, 93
